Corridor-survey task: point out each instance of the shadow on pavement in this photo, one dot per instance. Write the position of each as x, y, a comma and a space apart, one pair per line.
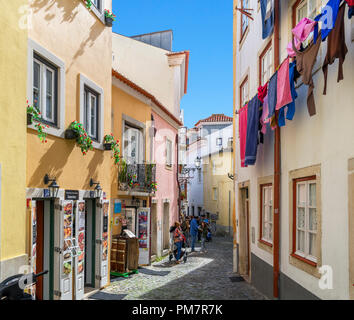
107, 296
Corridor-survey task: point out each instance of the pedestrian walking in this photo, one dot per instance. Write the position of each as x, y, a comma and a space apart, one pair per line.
194, 232
185, 228
204, 234
178, 239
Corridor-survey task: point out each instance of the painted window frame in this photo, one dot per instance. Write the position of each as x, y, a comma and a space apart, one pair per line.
304, 256
128, 129
244, 18
36, 50
85, 83
262, 239
270, 67
99, 12
168, 152
89, 95
215, 194
243, 86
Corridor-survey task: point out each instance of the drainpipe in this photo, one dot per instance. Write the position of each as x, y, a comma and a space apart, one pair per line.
235, 257
179, 186
277, 158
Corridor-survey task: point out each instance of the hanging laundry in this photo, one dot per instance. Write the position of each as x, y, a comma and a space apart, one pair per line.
262, 92
291, 106
264, 117
336, 48
283, 85
301, 32
267, 10
272, 94
350, 2
327, 17
253, 116
304, 64
351, 12
242, 130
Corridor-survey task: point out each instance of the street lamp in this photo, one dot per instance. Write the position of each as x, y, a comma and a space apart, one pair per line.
98, 189
53, 187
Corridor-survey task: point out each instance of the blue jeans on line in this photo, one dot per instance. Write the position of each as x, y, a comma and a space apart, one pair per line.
179, 248
194, 238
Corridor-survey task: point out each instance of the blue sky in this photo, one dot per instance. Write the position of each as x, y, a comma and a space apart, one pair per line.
204, 28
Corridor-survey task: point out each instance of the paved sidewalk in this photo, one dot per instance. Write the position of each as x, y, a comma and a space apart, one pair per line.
204, 276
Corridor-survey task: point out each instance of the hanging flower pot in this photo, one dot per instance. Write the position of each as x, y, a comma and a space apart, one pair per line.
70, 134
107, 146
29, 119
109, 18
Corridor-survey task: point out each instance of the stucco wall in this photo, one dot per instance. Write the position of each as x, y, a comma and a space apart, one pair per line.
85, 44
13, 48
325, 139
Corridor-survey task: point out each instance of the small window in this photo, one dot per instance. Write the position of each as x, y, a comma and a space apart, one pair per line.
133, 148
266, 214
244, 19
266, 64
91, 111
305, 219
45, 87
97, 4
244, 92
168, 153
219, 142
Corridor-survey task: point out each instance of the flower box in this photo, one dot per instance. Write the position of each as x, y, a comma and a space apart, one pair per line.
70, 134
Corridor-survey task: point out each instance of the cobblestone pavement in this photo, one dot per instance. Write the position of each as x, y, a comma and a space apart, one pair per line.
205, 276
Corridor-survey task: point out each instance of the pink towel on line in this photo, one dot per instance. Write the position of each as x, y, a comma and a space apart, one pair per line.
242, 127
283, 86
301, 31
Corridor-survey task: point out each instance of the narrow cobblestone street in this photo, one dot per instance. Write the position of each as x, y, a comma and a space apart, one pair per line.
204, 276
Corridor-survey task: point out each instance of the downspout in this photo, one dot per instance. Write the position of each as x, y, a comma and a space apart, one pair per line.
178, 184
277, 158
235, 260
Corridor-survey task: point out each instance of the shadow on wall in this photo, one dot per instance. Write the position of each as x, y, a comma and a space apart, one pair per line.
94, 165
67, 8
52, 162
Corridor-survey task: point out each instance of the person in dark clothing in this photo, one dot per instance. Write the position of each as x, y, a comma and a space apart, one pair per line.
204, 234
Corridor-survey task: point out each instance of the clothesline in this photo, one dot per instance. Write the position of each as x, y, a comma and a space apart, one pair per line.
278, 93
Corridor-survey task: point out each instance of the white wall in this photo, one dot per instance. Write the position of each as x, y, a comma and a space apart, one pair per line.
326, 139
148, 67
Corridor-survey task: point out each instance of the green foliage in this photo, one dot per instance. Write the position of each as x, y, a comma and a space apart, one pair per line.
88, 4
82, 138
36, 116
109, 14
115, 146
123, 172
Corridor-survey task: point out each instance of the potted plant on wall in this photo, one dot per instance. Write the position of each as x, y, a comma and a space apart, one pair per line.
111, 144
76, 131
34, 115
109, 17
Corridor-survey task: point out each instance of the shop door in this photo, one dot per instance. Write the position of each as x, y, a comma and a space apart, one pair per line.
166, 225
90, 240
79, 242
143, 233
153, 229
102, 218
64, 250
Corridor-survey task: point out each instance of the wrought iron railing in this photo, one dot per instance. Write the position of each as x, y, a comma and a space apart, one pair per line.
137, 177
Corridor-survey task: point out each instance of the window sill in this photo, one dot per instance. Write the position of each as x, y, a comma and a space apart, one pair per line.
266, 243
53, 131
99, 15
168, 167
311, 263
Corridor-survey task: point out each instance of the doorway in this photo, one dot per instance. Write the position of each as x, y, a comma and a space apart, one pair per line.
153, 229
90, 244
166, 226
42, 242
244, 253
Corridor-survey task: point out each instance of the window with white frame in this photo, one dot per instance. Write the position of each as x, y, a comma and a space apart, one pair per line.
244, 92
45, 89
168, 152
97, 4
133, 145
266, 64
306, 218
215, 193
266, 231
91, 112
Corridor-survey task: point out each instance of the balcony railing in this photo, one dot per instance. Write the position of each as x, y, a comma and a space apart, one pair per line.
137, 177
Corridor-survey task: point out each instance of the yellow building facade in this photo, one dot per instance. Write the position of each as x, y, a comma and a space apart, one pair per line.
69, 62
218, 189
13, 63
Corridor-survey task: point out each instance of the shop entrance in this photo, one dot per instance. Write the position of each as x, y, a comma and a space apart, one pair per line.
42, 246
166, 226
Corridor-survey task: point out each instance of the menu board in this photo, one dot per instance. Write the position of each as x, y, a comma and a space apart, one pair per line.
34, 245
143, 229
143, 234
81, 236
105, 231
68, 229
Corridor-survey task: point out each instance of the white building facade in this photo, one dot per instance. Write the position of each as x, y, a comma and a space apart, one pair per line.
316, 255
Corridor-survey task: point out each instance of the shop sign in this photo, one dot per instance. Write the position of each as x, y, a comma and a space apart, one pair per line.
46, 193
71, 194
92, 194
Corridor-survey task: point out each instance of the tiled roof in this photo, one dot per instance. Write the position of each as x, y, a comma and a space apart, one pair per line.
218, 117
148, 95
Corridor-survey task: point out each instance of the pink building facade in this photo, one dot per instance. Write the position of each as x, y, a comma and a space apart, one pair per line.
164, 206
